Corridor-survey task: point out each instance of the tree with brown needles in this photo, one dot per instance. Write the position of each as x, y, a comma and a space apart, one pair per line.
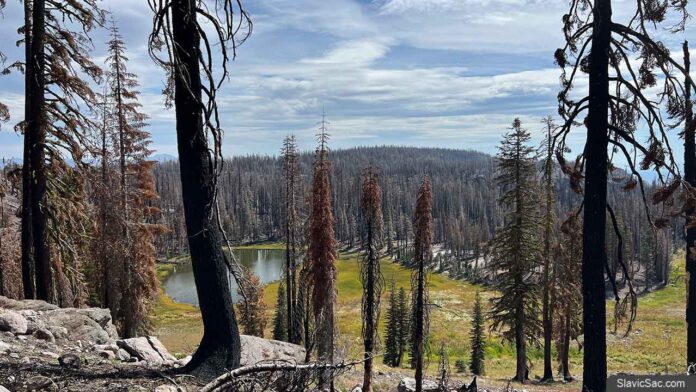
58, 94
567, 291
182, 45
291, 176
322, 255
370, 273
616, 104
548, 221
516, 248
423, 237
252, 312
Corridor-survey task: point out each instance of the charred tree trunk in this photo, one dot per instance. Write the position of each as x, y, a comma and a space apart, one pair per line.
594, 255
28, 266
520, 343
690, 177
419, 328
37, 136
219, 350
565, 350
546, 301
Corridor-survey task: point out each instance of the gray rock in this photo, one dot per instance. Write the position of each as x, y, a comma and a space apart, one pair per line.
148, 349
58, 331
4, 348
169, 388
50, 354
14, 355
408, 384
44, 334
26, 304
122, 355
79, 325
41, 383
70, 361
12, 321
106, 347
106, 354
3, 389
255, 349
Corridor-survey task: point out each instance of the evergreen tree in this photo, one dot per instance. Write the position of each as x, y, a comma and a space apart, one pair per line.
370, 273
252, 309
443, 370
404, 326
391, 341
291, 176
478, 343
322, 255
423, 234
516, 249
280, 329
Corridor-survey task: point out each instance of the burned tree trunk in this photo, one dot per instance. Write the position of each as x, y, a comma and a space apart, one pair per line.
690, 178
28, 265
219, 349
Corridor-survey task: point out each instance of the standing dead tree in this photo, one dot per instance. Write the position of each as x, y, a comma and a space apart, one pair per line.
291, 174
623, 61
370, 273
183, 46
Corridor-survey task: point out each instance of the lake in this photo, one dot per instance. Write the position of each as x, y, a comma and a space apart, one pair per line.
267, 264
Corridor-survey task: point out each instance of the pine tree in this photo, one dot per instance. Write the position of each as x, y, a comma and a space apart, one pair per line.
516, 249
322, 255
404, 326
252, 310
291, 176
443, 370
370, 273
423, 234
478, 343
391, 340
280, 329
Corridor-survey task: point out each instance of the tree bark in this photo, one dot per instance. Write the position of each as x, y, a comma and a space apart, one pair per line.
546, 308
28, 266
419, 329
594, 255
219, 350
690, 177
37, 135
369, 309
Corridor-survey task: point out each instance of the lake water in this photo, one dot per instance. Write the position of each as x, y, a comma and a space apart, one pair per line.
267, 264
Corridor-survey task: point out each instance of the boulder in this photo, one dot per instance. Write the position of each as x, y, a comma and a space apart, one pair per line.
122, 355
148, 349
44, 334
12, 321
26, 304
4, 348
255, 349
106, 354
80, 326
70, 361
3, 389
408, 384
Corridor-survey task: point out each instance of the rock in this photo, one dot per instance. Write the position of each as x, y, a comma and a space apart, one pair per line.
70, 361
3, 389
122, 355
255, 349
50, 354
169, 388
106, 354
14, 355
26, 304
58, 331
12, 321
80, 326
184, 361
41, 383
148, 349
408, 384
44, 334
4, 348
106, 347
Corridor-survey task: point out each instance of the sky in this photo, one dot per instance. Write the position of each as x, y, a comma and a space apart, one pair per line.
435, 73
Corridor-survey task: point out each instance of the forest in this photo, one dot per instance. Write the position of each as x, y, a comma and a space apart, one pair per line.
547, 265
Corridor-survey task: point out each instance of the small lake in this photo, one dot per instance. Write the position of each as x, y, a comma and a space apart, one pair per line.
267, 264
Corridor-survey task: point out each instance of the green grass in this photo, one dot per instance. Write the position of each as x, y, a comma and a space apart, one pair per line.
655, 344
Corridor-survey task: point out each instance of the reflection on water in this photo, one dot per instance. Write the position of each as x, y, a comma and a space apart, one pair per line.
267, 264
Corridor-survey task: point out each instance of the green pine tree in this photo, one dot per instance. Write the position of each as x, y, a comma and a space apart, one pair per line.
478, 344
391, 341
404, 325
280, 327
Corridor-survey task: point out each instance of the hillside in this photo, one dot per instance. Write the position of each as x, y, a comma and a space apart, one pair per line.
657, 334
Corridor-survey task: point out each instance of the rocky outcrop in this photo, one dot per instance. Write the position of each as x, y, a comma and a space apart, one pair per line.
255, 349
408, 384
12, 321
148, 349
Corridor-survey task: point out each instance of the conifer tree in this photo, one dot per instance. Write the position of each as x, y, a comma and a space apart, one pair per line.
370, 273
252, 311
391, 340
291, 176
516, 249
443, 370
280, 329
404, 326
423, 236
478, 343
322, 255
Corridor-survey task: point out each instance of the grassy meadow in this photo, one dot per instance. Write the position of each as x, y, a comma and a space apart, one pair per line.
656, 343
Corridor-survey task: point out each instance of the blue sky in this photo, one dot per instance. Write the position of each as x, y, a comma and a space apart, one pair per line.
448, 73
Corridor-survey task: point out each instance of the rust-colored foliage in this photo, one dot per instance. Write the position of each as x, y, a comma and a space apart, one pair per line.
252, 312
